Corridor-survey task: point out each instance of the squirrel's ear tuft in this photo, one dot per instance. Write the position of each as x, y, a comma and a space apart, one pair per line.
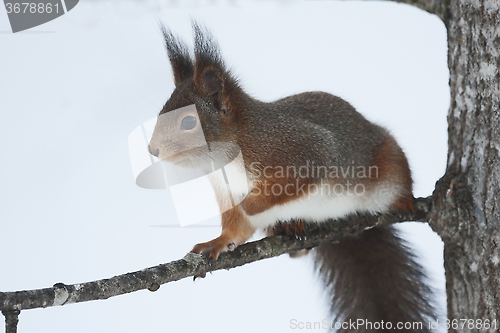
210, 74
182, 64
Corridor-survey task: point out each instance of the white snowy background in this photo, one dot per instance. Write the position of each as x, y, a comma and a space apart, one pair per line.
73, 89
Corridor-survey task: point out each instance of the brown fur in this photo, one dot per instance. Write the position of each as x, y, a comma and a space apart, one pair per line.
235, 230
262, 198
294, 227
392, 164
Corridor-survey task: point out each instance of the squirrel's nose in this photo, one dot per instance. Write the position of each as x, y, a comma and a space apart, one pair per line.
153, 151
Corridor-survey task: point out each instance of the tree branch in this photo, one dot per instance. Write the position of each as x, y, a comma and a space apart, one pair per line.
195, 264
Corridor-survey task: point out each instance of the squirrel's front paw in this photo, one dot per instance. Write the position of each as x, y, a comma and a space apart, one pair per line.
215, 247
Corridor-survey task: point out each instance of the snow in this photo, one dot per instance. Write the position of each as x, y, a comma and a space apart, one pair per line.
73, 89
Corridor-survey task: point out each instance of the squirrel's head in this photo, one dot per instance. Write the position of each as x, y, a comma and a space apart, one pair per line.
203, 106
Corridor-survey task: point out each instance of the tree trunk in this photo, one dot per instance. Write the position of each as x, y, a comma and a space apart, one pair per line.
466, 211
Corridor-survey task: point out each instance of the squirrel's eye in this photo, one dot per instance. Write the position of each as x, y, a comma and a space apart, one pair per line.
188, 123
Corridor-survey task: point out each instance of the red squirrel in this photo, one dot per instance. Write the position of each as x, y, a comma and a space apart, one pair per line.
360, 169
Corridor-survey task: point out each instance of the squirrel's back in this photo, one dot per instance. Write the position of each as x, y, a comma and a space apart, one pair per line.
336, 133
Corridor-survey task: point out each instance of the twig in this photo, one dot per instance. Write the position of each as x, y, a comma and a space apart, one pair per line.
11, 320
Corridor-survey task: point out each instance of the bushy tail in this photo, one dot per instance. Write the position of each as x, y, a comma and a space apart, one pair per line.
374, 277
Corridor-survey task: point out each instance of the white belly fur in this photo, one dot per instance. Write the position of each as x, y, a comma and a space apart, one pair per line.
314, 208
319, 208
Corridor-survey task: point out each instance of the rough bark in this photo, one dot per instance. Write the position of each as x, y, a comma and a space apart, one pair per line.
466, 211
